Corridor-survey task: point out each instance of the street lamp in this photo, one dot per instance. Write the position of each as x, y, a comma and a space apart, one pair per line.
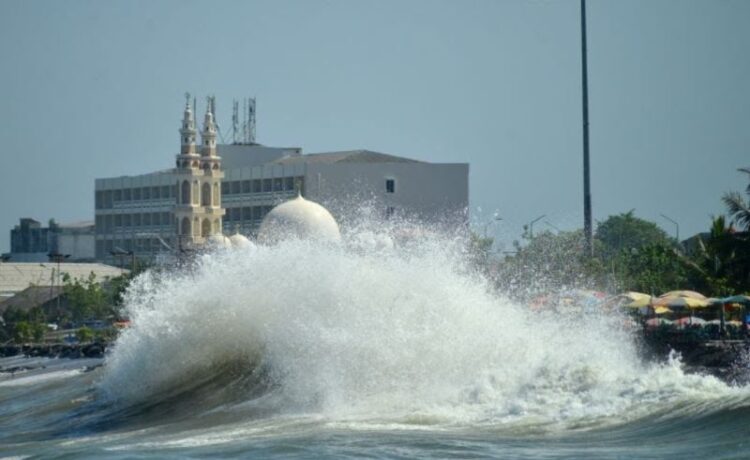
531, 225
676, 226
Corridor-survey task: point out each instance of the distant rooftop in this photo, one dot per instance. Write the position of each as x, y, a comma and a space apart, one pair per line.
31, 297
79, 224
17, 276
348, 156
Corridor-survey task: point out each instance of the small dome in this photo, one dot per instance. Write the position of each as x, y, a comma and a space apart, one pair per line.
217, 240
239, 241
299, 218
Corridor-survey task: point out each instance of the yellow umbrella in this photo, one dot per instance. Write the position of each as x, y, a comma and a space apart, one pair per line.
688, 294
662, 310
680, 302
634, 300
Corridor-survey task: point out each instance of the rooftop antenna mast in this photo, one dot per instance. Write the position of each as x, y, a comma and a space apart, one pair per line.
251, 120
235, 120
212, 105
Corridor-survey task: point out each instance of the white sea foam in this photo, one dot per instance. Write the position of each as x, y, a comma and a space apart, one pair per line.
369, 333
38, 378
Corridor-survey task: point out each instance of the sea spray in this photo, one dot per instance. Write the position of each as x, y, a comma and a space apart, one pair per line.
371, 332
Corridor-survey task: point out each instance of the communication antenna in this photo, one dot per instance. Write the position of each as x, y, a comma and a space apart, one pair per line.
211, 102
235, 120
244, 121
251, 120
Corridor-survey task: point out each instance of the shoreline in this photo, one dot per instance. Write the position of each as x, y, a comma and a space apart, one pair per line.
56, 350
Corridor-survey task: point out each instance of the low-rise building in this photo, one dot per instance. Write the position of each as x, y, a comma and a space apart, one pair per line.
31, 242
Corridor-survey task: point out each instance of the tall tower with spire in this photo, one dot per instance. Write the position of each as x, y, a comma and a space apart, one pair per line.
198, 212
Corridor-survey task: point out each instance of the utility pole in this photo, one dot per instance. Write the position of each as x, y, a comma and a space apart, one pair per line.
587, 230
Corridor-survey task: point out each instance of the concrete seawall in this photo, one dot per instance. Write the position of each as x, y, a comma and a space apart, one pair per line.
56, 350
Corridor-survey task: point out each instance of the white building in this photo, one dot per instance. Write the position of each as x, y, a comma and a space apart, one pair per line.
232, 187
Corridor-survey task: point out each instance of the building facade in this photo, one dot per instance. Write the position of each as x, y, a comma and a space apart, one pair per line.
221, 188
31, 242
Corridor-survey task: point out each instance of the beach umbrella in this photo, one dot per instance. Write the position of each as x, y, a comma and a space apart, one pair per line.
680, 302
736, 299
688, 294
662, 310
635, 300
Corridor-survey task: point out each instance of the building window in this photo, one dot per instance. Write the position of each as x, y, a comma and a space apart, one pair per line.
126, 220
257, 186
390, 186
165, 191
246, 188
146, 193
236, 187
136, 194
146, 219
236, 214
278, 184
126, 196
117, 195
156, 192
289, 184
257, 213
225, 188
136, 220
118, 220
247, 213
267, 185
156, 218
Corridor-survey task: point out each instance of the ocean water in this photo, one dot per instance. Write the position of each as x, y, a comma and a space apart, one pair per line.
363, 349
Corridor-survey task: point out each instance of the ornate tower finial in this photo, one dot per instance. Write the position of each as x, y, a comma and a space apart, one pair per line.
187, 131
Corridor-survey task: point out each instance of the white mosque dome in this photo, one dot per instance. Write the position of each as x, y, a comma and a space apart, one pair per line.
239, 241
299, 218
217, 240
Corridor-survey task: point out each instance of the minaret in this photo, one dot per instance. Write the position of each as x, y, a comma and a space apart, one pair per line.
187, 174
188, 153
211, 210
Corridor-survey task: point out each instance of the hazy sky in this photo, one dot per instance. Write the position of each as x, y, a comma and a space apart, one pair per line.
95, 89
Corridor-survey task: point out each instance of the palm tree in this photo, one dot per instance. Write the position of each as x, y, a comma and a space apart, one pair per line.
739, 209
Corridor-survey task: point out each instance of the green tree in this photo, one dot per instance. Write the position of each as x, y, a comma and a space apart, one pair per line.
549, 262
654, 269
721, 264
22, 332
84, 334
739, 209
625, 232
86, 299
